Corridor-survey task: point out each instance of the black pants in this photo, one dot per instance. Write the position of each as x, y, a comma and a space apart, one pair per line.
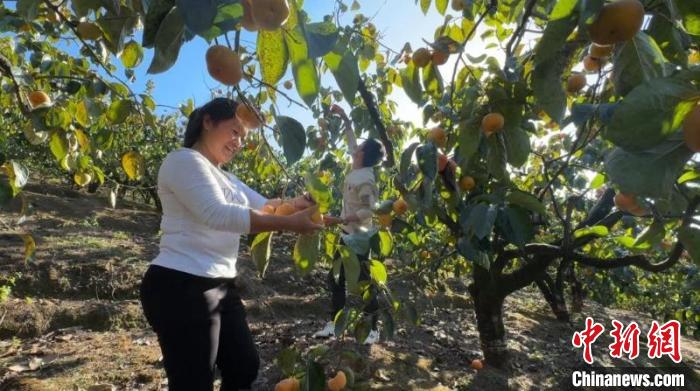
200, 323
339, 291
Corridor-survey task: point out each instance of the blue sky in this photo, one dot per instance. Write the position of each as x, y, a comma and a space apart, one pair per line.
399, 21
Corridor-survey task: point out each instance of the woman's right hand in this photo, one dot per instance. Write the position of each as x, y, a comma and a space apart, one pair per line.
301, 222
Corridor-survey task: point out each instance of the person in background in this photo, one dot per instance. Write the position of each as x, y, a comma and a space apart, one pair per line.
359, 195
188, 292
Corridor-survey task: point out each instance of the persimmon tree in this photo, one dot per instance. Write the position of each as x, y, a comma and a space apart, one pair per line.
565, 145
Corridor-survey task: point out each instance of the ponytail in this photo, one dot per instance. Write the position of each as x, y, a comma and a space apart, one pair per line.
194, 127
218, 109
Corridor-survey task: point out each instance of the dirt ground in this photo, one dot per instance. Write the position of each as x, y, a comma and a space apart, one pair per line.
73, 320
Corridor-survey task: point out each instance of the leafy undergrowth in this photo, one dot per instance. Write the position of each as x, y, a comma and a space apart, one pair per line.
73, 320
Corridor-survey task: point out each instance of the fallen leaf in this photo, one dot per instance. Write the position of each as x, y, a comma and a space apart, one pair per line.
18, 368
102, 387
35, 363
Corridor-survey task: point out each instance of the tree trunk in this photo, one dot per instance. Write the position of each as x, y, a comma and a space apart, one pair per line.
554, 299
488, 307
576, 293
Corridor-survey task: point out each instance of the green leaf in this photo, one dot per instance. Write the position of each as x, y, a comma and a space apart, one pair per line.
651, 234
639, 60
157, 10
598, 181
303, 66
525, 200
410, 81
168, 41
596, 230
469, 138
200, 14
118, 111
132, 54
589, 10
432, 81
272, 55
515, 224
425, 5
441, 6
314, 379
260, 251
306, 252
649, 173
351, 266
689, 176
562, 9
362, 329
555, 34
343, 65
358, 242
57, 117
670, 39
386, 243
650, 113
547, 83
377, 271
58, 145
548, 90
341, 319
690, 10
320, 192
629, 243
517, 143
321, 38
287, 359
81, 114
115, 28
427, 155
479, 220
496, 157
467, 249
689, 236
28, 9
406, 161
293, 138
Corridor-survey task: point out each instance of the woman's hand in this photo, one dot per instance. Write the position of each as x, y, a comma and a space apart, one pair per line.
337, 110
329, 220
303, 201
301, 222
351, 219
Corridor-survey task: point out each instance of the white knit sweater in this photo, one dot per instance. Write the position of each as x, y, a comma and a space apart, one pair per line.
205, 211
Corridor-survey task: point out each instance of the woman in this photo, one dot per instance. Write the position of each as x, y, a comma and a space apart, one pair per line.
188, 293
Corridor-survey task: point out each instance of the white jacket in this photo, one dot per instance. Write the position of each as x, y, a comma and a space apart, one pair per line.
359, 195
205, 211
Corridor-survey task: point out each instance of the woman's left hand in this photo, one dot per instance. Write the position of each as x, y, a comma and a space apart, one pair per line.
303, 202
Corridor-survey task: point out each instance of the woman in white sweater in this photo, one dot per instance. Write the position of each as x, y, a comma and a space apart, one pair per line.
188, 293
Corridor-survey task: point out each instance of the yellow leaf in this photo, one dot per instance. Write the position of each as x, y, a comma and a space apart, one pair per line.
83, 141
82, 178
29, 246
133, 164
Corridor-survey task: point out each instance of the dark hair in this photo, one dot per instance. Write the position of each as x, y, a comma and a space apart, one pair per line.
372, 152
218, 109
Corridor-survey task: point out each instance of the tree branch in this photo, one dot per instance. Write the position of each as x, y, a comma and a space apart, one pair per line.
6, 69
641, 261
517, 35
270, 86
368, 98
